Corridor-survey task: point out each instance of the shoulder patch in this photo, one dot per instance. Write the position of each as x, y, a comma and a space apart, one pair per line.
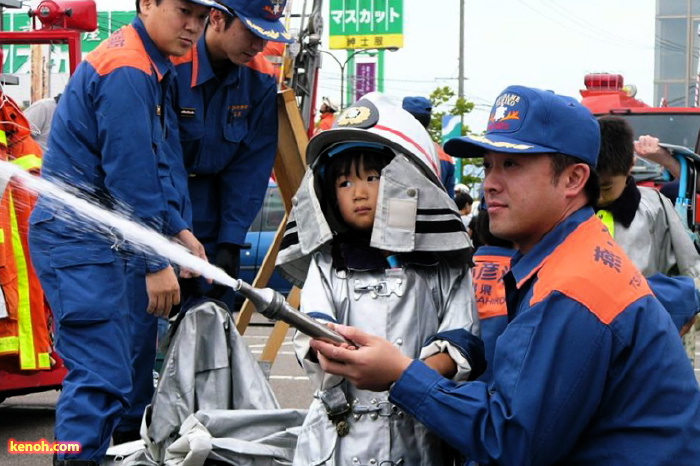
589, 267
121, 49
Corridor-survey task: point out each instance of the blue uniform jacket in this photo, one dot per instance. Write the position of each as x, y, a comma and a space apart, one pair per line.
110, 136
589, 370
228, 130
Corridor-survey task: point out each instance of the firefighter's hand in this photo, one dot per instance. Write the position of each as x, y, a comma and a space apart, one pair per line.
374, 364
187, 239
163, 291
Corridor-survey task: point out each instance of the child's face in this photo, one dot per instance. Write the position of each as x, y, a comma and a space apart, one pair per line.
357, 197
611, 188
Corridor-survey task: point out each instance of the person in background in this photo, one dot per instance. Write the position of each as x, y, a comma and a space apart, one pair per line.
648, 148
421, 108
589, 369
392, 266
228, 127
491, 263
646, 226
110, 140
40, 114
328, 110
464, 202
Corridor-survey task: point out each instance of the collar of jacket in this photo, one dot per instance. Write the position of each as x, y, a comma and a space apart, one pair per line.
160, 62
624, 208
205, 70
364, 258
523, 266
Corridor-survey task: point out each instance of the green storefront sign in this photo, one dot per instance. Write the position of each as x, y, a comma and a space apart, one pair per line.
17, 57
365, 24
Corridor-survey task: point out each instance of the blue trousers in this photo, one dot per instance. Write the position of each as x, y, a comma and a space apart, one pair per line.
144, 336
85, 282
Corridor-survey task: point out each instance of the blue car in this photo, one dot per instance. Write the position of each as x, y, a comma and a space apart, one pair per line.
259, 238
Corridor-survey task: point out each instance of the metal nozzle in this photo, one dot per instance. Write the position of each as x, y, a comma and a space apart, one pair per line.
272, 305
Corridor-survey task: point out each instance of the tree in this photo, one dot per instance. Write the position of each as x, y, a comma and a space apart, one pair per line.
441, 98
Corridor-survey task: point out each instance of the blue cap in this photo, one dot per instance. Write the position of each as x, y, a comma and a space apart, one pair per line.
525, 120
262, 17
417, 106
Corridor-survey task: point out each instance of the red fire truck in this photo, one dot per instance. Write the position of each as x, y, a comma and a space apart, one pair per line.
678, 128
28, 362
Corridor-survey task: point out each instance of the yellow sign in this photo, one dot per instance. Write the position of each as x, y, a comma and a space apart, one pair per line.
369, 41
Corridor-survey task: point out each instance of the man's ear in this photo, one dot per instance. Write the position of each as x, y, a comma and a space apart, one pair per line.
575, 177
145, 5
217, 20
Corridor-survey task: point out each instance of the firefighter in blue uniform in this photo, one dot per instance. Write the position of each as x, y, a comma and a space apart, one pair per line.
228, 125
109, 140
589, 369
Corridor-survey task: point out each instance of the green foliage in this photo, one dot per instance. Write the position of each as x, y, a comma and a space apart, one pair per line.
442, 98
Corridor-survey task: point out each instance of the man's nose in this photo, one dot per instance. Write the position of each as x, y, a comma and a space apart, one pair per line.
259, 44
195, 24
491, 182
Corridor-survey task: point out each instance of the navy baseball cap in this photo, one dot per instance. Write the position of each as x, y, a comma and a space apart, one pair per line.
262, 17
417, 105
526, 120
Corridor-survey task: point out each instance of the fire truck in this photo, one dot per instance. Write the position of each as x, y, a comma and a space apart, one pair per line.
678, 129
28, 360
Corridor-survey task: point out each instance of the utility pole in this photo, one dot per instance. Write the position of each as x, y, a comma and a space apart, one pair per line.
459, 165
460, 92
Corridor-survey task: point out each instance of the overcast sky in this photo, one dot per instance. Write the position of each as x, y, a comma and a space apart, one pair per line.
550, 44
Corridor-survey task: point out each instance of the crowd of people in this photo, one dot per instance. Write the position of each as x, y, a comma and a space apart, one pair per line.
539, 324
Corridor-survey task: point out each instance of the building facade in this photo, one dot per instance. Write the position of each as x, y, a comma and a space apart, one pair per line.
677, 47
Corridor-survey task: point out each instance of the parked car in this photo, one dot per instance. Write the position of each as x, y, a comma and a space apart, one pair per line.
259, 238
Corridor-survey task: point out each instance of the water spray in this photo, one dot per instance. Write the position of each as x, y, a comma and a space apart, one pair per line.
268, 302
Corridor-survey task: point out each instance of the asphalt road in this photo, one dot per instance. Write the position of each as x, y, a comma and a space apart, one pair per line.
31, 417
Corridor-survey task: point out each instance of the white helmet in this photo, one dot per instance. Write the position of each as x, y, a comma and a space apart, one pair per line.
376, 119
330, 103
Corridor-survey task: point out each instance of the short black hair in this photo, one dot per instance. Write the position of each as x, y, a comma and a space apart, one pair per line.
423, 119
616, 146
463, 199
592, 188
138, 6
228, 19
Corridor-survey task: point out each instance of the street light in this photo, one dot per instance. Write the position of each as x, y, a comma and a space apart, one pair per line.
344, 64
